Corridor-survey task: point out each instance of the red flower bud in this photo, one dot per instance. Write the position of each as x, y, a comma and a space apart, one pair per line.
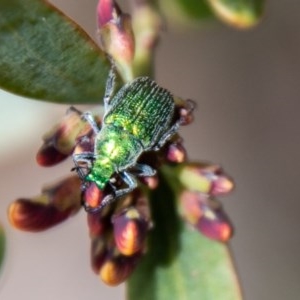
93, 196
176, 153
107, 10
60, 141
31, 215
215, 225
54, 205
205, 178
97, 224
206, 215
190, 207
117, 268
48, 156
116, 36
65, 194
98, 253
130, 229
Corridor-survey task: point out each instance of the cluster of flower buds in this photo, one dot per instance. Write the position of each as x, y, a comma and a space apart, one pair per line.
197, 202
118, 237
61, 200
118, 232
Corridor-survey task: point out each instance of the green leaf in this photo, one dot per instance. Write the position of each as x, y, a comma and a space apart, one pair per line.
2, 245
46, 56
195, 9
238, 13
185, 12
180, 264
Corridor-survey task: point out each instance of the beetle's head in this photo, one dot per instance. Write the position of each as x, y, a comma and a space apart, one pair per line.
101, 172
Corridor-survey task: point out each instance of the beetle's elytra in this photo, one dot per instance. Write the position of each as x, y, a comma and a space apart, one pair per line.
138, 118
143, 109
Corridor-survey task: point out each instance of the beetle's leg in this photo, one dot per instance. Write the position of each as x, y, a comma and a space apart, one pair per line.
88, 117
143, 170
190, 106
110, 198
110, 87
130, 180
85, 157
106, 201
186, 112
167, 136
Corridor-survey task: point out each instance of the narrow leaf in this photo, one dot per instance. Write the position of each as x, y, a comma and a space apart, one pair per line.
241, 14
180, 264
44, 55
2, 246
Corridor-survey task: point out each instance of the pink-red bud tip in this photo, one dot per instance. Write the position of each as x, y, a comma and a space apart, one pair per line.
107, 10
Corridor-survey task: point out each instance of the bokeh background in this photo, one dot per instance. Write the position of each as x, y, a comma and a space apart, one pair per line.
247, 87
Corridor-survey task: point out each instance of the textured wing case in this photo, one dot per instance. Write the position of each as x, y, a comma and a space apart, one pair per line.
144, 109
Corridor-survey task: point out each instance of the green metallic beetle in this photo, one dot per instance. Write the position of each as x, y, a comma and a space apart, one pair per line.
139, 118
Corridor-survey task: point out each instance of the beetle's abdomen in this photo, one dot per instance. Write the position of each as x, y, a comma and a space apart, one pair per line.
143, 109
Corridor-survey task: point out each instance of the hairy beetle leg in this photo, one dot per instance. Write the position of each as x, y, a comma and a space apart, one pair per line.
110, 198
85, 157
88, 117
167, 136
142, 170
130, 180
186, 111
106, 201
189, 108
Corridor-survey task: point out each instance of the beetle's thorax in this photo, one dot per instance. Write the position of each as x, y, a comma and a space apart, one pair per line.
115, 150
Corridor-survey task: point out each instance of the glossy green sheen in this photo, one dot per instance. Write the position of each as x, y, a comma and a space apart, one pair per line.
144, 109
46, 56
138, 117
115, 148
180, 263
